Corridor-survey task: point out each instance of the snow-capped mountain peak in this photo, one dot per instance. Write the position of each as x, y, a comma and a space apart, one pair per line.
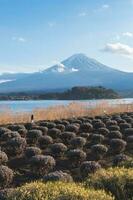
77, 70
82, 62
58, 68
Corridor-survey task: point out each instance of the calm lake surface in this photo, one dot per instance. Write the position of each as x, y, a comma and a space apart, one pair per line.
28, 106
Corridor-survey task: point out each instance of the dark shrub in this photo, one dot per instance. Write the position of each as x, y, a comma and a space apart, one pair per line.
115, 134
94, 121
9, 135
117, 145
124, 126
85, 135
114, 128
51, 125
15, 146
123, 115
119, 159
17, 163
98, 125
76, 156
87, 121
54, 133
43, 123
98, 117
58, 176
128, 132
44, 141
41, 164
119, 121
3, 157
41, 128
3, 130
115, 117
77, 125
61, 127
77, 121
22, 132
78, 142
5, 194
129, 120
103, 131
111, 123
30, 126
72, 128
14, 127
86, 127
65, 122
129, 141
33, 136
58, 149
57, 121
32, 151
98, 151
127, 163
106, 119
97, 139
89, 167
71, 120
6, 176
67, 137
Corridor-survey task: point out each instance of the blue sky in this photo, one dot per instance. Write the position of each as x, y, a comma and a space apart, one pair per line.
35, 34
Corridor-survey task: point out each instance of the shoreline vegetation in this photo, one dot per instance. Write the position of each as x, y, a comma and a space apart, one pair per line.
71, 110
75, 93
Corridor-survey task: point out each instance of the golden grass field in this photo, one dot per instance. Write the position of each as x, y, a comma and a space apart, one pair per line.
64, 112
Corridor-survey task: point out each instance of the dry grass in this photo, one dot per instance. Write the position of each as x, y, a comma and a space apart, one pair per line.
64, 112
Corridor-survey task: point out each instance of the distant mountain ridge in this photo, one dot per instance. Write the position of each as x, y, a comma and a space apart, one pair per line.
5, 77
77, 70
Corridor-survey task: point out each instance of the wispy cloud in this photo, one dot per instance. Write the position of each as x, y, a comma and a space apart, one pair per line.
82, 14
103, 7
19, 39
119, 48
51, 24
122, 35
128, 34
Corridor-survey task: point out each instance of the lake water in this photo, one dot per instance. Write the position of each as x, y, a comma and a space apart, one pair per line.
28, 106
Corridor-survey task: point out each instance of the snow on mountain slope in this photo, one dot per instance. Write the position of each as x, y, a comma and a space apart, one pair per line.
77, 70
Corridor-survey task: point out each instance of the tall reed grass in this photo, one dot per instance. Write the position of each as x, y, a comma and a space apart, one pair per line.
64, 112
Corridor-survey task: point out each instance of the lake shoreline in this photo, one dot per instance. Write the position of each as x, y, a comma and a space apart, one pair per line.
19, 112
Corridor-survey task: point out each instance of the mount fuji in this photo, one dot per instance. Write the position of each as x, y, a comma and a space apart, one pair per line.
77, 70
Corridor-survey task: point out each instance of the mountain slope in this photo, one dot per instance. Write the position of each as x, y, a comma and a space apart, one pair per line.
77, 70
5, 77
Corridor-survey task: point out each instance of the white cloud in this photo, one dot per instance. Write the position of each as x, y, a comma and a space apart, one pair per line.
124, 34
102, 8
19, 39
119, 48
128, 34
82, 14
74, 70
105, 6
